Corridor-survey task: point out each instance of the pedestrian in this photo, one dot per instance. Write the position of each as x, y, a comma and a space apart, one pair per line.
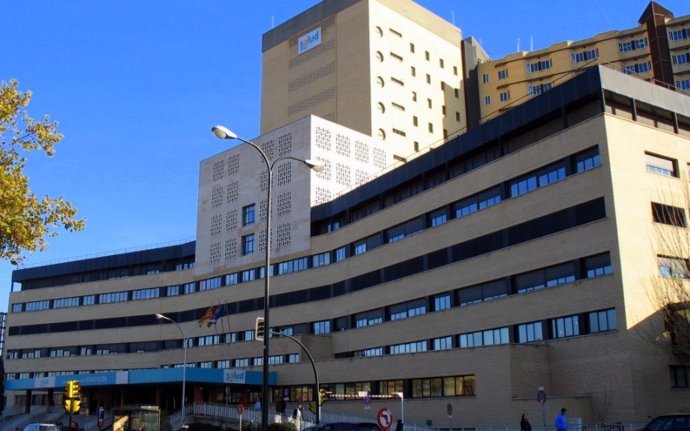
524, 423
399, 426
562, 421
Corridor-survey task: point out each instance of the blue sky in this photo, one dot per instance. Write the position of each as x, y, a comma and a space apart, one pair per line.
137, 84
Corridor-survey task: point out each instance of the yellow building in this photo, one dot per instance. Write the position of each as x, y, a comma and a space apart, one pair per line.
386, 68
658, 50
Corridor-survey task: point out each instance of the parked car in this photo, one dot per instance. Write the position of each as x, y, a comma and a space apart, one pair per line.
672, 422
41, 427
350, 426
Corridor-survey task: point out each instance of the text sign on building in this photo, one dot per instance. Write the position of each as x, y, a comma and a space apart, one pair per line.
233, 376
309, 41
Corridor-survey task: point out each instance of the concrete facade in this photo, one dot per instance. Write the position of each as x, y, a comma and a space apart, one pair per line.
389, 69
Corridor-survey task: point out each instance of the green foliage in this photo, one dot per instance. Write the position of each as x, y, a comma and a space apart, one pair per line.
25, 219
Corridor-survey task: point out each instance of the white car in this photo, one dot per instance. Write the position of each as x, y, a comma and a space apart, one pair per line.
41, 427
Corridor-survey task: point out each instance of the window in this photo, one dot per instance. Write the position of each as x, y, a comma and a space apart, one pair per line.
680, 376
667, 214
503, 74
442, 302
431, 128
578, 57
539, 66
411, 47
487, 100
413, 71
485, 78
427, 56
441, 63
565, 327
414, 96
369, 318
172, 291
598, 266
428, 78
150, 293
661, 165
415, 121
530, 332
632, 45
632, 69
321, 259
413, 347
504, 96
534, 90
439, 217
323, 327
673, 267
683, 84
360, 247
683, 58
340, 254
443, 343
587, 160
248, 244
527, 184
408, 309
248, 214
602, 321
683, 33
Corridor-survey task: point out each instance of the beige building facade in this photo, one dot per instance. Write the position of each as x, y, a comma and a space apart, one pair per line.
387, 68
657, 50
519, 256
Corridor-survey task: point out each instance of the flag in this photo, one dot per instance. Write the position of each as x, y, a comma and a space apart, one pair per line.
207, 315
220, 311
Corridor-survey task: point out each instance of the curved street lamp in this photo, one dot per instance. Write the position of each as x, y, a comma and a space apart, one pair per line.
184, 363
223, 132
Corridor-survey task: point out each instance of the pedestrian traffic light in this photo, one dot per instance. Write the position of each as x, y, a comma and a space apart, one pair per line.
260, 329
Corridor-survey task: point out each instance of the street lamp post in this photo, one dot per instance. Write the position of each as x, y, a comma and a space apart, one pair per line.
184, 363
223, 132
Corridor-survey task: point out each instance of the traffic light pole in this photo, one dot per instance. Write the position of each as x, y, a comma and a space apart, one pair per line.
317, 394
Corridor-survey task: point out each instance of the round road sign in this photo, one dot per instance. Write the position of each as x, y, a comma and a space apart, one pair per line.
384, 418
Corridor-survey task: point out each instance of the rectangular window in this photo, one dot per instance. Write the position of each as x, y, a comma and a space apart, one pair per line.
681, 34
661, 165
683, 58
340, 254
632, 69
539, 66
668, 214
563, 327
413, 71
441, 63
548, 176
172, 291
632, 45
602, 321
443, 343
248, 215
503, 74
578, 57
683, 84
587, 160
504, 96
534, 90
530, 332
248, 244
673, 267
442, 302
487, 100
598, 266
680, 376
438, 217
428, 78
323, 327
321, 259
413, 347
485, 78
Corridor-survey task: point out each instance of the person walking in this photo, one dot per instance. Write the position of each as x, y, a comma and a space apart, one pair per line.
562, 421
524, 423
399, 426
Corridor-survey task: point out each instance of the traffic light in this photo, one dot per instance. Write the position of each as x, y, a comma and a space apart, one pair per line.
72, 406
260, 329
323, 396
72, 389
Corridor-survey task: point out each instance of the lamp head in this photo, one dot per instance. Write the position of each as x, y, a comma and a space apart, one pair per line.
314, 165
222, 132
